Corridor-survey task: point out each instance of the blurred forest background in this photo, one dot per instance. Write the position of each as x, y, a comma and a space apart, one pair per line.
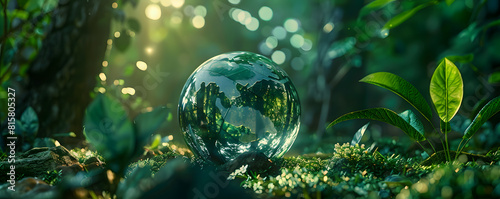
59, 54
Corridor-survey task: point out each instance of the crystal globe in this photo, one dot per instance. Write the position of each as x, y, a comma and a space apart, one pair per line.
236, 103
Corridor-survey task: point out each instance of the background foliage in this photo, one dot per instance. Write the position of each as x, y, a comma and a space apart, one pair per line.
325, 46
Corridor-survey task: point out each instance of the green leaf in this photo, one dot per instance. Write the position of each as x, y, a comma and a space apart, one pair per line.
494, 78
156, 142
446, 89
449, 2
412, 119
358, 135
461, 58
147, 123
29, 120
19, 128
121, 43
383, 115
110, 132
374, 5
445, 126
402, 17
402, 88
134, 25
490, 109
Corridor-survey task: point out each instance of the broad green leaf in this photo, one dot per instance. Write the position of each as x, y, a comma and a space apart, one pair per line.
358, 135
19, 128
29, 120
374, 5
490, 109
402, 88
446, 89
412, 119
402, 17
494, 78
461, 58
121, 43
134, 25
147, 123
109, 131
383, 115
445, 126
449, 2
156, 142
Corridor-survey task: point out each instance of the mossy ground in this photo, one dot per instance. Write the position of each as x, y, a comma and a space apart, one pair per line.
343, 171
358, 172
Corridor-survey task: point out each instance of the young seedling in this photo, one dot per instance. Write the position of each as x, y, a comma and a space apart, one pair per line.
446, 91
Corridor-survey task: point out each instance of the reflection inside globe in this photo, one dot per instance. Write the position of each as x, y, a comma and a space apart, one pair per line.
239, 102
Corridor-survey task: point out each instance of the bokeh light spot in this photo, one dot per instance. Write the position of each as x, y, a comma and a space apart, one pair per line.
153, 12
272, 42
102, 76
165, 3
117, 34
177, 3
307, 45
291, 25
104, 63
328, 27
297, 40
253, 25
279, 32
176, 17
198, 22
200, 11
265, 13
278, 57
234, 2
114, 5
141, 65
128, 90
101, 90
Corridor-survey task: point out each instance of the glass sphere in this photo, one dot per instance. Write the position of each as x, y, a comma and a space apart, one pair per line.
239, 102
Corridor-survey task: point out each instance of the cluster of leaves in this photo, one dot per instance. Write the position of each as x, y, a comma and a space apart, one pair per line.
83, 154
23, 25
154, 163
119, 140
27, 128
52, 177
446, 91
115, 137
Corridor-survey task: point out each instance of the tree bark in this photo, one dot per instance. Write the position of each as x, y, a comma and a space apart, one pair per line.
64, 72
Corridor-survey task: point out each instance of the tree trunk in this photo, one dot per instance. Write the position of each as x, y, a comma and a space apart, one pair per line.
64, 72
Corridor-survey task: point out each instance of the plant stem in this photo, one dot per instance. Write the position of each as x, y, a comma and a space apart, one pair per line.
430, 143
458, 149
423, 146
447, 146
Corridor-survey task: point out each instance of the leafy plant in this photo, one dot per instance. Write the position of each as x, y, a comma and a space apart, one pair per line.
52, 177
118, 139
446, 91
27, 129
